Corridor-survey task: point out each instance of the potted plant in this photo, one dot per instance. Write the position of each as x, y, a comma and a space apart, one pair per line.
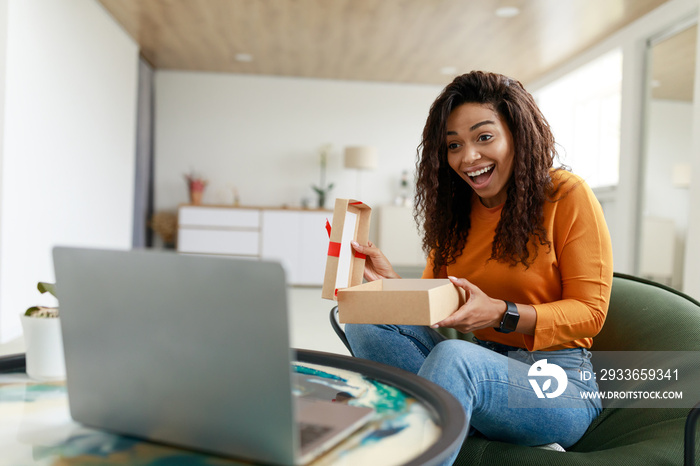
195, 185
323, 189
42, 339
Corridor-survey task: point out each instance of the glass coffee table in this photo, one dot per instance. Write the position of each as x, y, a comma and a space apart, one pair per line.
415, 422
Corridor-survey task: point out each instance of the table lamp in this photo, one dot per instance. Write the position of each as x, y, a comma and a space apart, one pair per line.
360, 158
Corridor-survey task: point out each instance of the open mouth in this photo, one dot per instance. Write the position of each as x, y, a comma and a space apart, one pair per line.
479, 177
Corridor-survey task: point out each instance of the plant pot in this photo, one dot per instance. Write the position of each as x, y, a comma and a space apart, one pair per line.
44, 345
196, 197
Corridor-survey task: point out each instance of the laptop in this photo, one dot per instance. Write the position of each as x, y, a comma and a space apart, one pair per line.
190, 351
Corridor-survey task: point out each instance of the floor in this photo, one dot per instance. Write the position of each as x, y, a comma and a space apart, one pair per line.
309, 324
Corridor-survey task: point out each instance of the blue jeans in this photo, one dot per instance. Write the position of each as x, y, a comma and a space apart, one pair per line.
490, 381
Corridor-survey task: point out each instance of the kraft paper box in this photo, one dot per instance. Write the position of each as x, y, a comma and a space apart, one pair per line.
396, 302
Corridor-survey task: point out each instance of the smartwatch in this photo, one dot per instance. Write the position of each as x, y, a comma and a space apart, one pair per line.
510, 319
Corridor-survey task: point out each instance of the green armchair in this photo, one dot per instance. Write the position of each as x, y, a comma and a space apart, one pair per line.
643, 316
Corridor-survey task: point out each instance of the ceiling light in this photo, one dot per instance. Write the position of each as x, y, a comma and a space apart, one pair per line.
244, 57
507, 11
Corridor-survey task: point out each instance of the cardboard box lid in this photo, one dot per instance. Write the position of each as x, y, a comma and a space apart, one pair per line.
344, 267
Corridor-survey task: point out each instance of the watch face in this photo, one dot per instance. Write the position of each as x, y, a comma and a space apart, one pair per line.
510, 321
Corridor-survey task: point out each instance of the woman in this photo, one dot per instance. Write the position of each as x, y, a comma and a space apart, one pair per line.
528, 244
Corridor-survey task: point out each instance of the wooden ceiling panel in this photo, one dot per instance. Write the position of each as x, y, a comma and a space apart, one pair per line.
407, 41
673, 66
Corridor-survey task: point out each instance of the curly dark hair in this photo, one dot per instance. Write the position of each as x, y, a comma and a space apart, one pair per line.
443, 199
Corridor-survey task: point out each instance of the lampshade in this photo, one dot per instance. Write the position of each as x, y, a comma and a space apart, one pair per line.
361, 157
681, 175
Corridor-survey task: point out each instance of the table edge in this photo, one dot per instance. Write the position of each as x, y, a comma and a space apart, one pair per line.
445, 407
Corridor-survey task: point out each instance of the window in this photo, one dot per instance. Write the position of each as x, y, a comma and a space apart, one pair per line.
583, 109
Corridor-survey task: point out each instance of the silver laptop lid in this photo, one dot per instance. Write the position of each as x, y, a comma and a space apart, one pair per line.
185, 350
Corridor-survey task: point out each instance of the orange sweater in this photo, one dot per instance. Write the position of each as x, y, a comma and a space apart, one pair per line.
569, 285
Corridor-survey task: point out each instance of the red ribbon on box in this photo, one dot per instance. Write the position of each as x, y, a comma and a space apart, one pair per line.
334, 248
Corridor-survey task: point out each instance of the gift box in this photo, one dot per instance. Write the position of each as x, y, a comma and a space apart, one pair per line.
395, 302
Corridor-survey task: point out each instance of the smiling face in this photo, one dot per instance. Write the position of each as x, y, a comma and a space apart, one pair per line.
480, 150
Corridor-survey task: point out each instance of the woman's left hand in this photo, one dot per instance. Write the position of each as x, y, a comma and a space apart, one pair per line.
480, 310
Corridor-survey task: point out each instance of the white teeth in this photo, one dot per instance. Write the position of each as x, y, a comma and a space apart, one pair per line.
479, 172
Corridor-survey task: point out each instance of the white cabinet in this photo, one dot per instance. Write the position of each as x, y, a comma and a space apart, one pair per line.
217, 230
398, 236
314, 247
296, 238
280, 239
219, 217
299, 240
212, 241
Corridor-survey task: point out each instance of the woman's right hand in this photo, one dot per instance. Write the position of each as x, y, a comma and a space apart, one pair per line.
377, 266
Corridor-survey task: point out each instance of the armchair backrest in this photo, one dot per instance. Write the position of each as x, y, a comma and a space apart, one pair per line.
647, 316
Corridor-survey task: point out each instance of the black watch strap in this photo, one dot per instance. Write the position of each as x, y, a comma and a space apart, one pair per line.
510, 319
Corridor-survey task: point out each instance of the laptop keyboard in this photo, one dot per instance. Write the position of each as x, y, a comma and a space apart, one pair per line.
311, 432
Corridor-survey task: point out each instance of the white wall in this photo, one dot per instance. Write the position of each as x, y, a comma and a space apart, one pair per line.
3, 76
669, 142
262, 135
68, 152
691, 275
